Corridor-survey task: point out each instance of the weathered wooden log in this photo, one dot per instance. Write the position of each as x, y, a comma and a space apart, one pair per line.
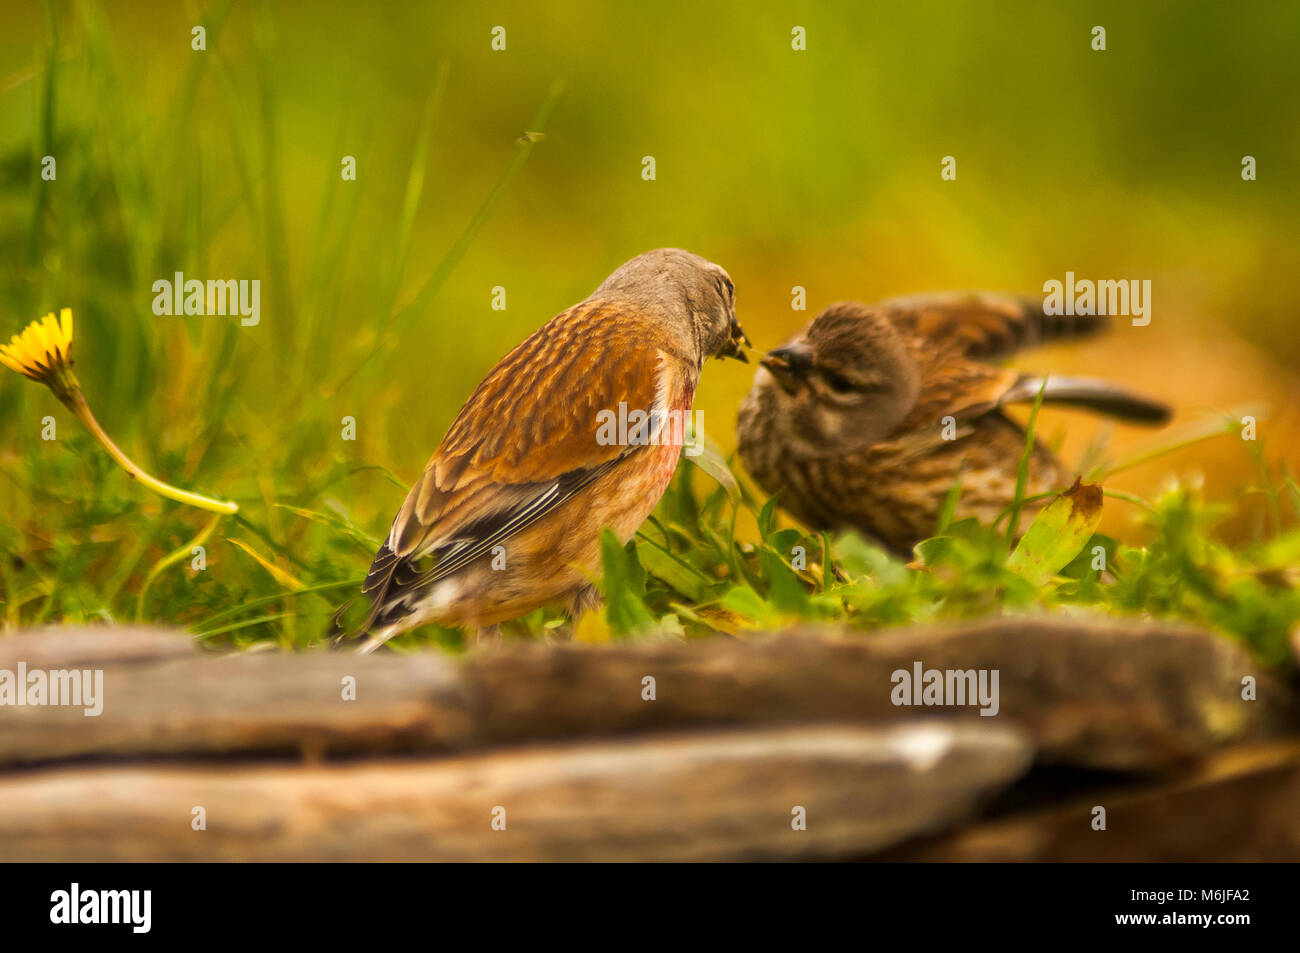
1110, 694
87, 645
1118, 694
1238, 805
313, 704
701, 796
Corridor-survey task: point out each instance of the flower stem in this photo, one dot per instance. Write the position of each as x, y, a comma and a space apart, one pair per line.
77, 404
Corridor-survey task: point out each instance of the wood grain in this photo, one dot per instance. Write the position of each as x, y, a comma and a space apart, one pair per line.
1118, 695
701, 796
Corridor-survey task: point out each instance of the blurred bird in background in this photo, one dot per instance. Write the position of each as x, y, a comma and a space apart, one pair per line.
868, 418
508, 512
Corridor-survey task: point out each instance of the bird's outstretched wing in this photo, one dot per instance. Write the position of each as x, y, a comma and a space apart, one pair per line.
954, 335
524, 444
985, 325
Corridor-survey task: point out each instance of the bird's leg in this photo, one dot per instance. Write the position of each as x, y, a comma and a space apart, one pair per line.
487, 636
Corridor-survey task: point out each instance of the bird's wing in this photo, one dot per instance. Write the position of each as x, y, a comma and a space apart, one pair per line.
965, 389
953, 337
954, 385
526, 442
984, 325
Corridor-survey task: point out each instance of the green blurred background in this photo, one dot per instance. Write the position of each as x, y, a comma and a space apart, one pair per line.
817, 168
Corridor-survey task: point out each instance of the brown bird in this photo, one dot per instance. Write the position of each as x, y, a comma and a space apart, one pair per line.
866, 419
507, 515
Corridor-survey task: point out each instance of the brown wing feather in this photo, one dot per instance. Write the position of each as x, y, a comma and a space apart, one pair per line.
533, 418
984, 325
954, 385
523, 444
953, 336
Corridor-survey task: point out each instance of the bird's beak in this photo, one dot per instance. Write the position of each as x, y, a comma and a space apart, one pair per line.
788, 363
736, 346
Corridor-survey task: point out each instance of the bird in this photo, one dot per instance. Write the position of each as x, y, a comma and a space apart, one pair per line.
507, 514
872, 413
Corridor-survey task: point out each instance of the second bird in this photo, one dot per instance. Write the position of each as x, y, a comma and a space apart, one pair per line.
868, 417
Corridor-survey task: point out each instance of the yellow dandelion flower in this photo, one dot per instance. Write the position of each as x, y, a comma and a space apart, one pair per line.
41, 352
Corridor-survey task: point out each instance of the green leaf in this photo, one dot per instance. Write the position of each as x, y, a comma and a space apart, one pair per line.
784, 541
786, 590
673, 571
623, 586
860, 558
1080, 567
1058, 533
767, 519
930, 552
746, 602
710, 461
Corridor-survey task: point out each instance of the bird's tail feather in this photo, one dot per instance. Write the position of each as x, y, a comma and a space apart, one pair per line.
384, 612
376, 638
1100, 396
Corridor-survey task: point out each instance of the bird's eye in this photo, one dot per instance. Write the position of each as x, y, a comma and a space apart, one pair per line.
838, 382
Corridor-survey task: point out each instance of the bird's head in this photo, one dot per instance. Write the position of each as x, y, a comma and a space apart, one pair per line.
695, 298
845, 382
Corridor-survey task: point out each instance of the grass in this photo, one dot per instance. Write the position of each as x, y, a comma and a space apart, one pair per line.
686, 572
254, 415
